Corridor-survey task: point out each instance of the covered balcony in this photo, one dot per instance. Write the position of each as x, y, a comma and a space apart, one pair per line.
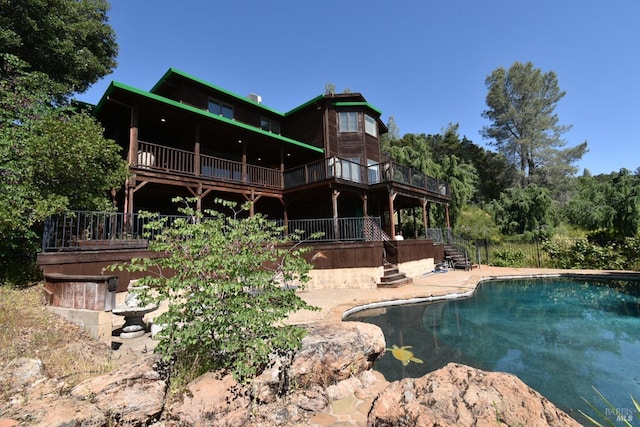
154, 158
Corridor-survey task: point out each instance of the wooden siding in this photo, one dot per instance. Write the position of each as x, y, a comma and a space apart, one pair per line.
331, 145
327, 256
191, 96
305, 126
372, 149
81, 292
413, 250
91, 263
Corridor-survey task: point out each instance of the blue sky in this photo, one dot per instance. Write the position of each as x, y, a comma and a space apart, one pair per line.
422, 62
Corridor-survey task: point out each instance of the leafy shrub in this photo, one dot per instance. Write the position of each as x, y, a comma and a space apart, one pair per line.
584, 254
630, 251
508, 258
229, 285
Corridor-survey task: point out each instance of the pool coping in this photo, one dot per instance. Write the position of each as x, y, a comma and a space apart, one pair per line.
464, 285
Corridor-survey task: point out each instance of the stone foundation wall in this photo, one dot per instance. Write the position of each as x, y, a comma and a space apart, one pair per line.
345, 278
97, 323
417, 268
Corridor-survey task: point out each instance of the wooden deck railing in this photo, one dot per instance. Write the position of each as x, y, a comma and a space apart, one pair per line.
159, 157
172, 160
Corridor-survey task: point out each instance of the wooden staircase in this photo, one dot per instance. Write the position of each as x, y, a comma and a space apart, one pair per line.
393, 278
456, 258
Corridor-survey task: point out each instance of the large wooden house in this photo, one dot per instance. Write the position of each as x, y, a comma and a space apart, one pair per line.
322, 159
317, 167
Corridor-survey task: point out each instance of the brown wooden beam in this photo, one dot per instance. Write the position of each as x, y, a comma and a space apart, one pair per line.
196, 151
392, 197
365, 211
334, 202
252, 199
425, 214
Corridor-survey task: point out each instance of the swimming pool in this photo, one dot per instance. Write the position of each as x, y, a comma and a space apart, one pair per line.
560, 336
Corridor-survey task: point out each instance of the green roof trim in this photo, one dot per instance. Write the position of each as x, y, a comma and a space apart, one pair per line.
305, 105
117, 85
356, 104
173, 71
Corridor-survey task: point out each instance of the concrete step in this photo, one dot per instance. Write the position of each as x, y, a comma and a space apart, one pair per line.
392, 277
396, 283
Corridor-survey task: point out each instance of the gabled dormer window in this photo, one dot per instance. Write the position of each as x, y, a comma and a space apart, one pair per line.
348, 121
370, 125
220, 108
269, 125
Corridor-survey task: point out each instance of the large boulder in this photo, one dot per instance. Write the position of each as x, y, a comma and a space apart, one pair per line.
460, 395
332, 359
132, 394
330, 352
328, 378
333, 352
211, 399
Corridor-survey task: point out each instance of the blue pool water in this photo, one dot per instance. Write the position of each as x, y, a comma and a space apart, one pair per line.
562, 337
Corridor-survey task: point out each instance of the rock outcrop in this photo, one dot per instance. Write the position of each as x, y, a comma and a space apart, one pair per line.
328, 377
458, 395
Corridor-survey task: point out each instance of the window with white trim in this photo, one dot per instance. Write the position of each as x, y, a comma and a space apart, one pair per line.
220, 108
370, 125
348, 121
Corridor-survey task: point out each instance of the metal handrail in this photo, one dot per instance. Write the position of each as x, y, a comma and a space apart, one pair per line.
335, 229
88, 230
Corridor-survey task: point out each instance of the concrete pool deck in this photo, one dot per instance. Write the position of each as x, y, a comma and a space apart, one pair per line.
333, 303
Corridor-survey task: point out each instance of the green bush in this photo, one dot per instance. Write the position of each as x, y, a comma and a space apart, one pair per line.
229, 285
584, 254
508, 258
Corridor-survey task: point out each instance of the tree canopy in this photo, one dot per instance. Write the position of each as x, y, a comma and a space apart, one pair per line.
527, 211
429, 155
53, 155
524, 127
68, 40
51, 159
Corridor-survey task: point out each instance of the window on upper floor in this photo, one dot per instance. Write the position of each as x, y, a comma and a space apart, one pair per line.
370, 125
269, 125
348, 121
220, 108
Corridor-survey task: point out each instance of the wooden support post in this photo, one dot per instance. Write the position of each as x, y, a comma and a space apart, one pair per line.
132, 157
282, 156
244, 162
364, 205
252, 199
133, 136
392, 197
196, 151
446, 210
285, 216
334, 201
425, 215
199, 194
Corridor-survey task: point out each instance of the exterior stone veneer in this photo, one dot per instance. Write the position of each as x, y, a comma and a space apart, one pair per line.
345, 278
363, 277
416, 268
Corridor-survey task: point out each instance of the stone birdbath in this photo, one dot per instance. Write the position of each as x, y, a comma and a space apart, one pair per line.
133, 314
